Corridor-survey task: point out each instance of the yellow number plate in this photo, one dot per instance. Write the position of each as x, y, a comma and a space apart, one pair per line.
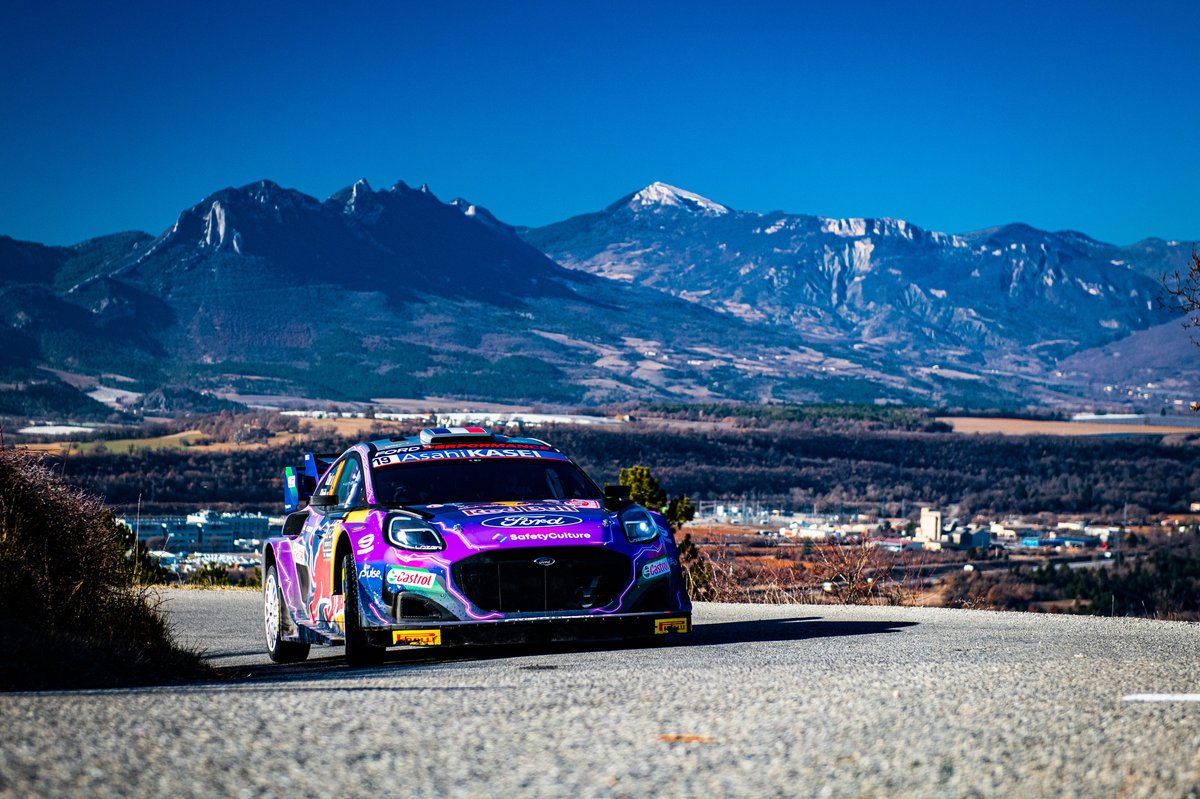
664, 626
417, 637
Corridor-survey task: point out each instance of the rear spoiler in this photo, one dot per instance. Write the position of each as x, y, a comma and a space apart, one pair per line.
299, 484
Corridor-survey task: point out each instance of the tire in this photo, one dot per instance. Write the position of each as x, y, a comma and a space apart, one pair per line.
359, 652
276, 621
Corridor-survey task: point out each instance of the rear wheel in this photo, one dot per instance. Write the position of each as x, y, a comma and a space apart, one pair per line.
276, 622
359, 652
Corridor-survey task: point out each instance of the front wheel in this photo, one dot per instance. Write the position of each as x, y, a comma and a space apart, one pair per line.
275, 622
359, 651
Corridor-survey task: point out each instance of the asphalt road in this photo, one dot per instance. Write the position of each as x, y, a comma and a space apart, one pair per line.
759, 701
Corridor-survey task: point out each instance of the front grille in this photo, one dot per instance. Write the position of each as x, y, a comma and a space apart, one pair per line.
510, 581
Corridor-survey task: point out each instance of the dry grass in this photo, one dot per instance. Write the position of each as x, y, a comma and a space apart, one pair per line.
117, 446
755, 580
856, 572
1034, 427
195, 440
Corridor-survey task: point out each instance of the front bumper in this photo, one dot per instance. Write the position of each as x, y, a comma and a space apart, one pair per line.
520, 631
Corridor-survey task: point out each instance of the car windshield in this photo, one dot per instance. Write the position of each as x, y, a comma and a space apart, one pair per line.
481, 480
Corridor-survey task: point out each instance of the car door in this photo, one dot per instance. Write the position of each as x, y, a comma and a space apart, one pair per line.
345, 481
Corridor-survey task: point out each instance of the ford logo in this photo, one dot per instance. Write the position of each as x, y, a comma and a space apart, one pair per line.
521, 520
544, 561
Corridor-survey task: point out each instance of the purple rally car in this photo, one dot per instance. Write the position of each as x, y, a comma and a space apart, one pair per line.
461, 536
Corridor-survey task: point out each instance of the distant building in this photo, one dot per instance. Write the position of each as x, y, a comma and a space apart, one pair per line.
807, 531
931, 525
1109, 537
898, 544
148, 527
203, 531
1009, 529
240, 524
966, 539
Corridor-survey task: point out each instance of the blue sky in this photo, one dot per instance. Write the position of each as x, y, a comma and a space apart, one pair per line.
954, 116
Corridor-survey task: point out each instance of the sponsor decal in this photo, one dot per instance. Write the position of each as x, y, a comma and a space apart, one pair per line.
511, 522
555, 535
291, 481
391, 453
417, 637
656, 568
411, 578
664, 626
366, 544
499, 538
369, 573
456, 454
395, 450
551, 506
493, 510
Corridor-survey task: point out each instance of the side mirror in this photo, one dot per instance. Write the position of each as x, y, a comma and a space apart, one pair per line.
322, 500
617, 497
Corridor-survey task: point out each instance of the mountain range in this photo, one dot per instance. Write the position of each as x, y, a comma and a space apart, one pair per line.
263, 291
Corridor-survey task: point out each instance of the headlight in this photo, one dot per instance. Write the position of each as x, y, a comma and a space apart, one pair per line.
408, 532
639, 526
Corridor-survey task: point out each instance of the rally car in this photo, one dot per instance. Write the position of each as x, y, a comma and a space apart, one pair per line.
462, 536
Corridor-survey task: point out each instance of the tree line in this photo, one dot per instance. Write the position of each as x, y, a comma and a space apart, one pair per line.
863, 469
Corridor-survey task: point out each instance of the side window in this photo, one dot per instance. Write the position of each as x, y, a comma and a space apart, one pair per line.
349, 488
330, 479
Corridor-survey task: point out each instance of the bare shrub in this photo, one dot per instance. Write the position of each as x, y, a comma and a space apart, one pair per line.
856, 571
754, 580
69, 611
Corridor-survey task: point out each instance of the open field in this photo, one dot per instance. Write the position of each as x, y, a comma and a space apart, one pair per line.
189, 439
121, 445
1035, 427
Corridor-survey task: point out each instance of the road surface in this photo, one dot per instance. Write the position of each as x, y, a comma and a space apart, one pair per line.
760, 700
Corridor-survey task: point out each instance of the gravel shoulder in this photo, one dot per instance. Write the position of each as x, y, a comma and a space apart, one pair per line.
759, 701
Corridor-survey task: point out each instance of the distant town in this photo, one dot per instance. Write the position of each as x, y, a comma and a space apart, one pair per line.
185, 544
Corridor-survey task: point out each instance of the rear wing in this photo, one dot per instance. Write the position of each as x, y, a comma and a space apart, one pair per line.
299, 484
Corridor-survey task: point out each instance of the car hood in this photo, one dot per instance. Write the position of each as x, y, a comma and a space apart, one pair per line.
505, 524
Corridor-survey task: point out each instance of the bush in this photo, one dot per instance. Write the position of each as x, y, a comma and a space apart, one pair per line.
212, 575
70, 614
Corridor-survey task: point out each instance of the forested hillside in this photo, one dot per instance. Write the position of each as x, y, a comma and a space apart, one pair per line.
801, 464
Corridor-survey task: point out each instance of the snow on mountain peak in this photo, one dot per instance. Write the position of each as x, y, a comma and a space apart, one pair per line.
478, 213
660, 195
216, 233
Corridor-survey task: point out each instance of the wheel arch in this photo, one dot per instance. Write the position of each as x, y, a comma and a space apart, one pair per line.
341, 548
268, 558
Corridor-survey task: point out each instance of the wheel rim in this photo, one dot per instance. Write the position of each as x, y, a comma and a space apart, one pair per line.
271, 610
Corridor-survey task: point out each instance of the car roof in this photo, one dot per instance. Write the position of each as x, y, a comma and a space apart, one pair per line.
455, 437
